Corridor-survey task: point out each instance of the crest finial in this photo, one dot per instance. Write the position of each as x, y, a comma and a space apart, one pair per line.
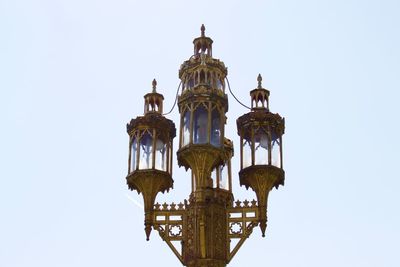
203, 29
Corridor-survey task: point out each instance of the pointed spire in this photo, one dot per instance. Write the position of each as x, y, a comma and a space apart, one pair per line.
263, 227
259, 79
203, 29
154, 83
147, 229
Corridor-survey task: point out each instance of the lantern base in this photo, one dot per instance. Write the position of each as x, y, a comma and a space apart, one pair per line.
269, 176
149, 183
262, 178
201, 159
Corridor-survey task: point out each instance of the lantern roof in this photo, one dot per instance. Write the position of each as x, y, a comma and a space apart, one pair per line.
153, 115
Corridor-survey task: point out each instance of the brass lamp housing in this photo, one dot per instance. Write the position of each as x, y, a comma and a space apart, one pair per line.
263, 128
202, 157
152, 177
203, 94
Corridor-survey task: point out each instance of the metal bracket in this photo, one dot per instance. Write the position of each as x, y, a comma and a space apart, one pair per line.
170, 224
241, 220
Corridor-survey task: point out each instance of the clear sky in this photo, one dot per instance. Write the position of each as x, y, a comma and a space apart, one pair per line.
73, 73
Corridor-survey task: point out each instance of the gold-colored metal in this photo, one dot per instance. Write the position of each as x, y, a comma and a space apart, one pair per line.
261, 177
146, 176
208, 229
149, 183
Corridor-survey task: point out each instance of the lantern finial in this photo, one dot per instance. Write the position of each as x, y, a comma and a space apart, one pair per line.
154, 83
203, 29
259, 79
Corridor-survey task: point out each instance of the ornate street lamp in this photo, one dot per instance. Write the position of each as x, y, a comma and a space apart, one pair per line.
200, 231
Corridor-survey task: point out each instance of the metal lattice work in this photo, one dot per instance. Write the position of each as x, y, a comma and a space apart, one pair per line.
168, 220
242, 218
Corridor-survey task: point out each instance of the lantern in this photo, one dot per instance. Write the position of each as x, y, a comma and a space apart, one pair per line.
150, 158
260, 134
202, 105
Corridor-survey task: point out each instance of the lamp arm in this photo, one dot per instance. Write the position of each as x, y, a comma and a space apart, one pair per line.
170, 222
241, 220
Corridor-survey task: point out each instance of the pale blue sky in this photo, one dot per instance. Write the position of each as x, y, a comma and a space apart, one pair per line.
72, 74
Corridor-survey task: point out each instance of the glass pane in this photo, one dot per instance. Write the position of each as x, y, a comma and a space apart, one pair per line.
214, 177
261, 147
200, 124
186, 129
219, 84
215, 129
246, 153
170, 159
133, 155
275, 151
161, 155
146, 149
224, 177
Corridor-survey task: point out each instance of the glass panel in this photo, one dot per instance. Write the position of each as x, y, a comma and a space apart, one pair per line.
146, 149
186, 129
246, 153
170, 158
219, 84
133, 154
214, 177
161, 155
261, 147
224, 177
275, 151
200, 124
215, 128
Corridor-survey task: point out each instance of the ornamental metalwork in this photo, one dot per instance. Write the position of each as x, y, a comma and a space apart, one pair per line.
209, 228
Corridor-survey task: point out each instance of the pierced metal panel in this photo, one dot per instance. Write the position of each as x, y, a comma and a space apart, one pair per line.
170, 222
242, 218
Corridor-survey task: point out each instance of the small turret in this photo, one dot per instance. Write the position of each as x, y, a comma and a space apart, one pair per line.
259, 96
153, 102
203, 44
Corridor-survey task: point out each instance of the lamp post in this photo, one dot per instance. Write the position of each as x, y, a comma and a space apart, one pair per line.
200, 230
